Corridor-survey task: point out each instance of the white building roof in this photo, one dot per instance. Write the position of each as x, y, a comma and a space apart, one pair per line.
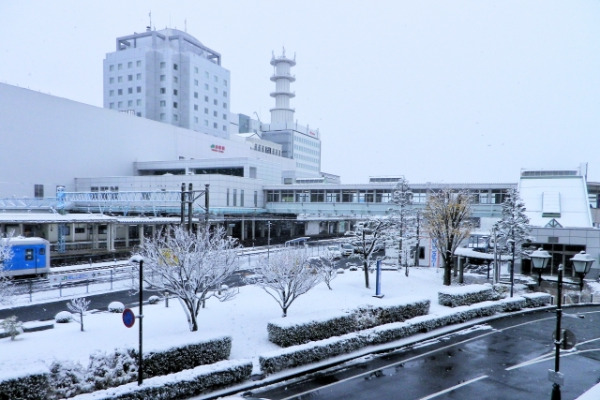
552, 200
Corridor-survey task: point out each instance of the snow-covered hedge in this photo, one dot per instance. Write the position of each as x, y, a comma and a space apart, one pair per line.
185, 357
303, 354
31, 387
116, 307
105, 370
293, 331
179, 385
63, 317
456, 296
537, 299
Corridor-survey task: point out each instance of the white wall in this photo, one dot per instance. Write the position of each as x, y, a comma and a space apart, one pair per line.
49, 140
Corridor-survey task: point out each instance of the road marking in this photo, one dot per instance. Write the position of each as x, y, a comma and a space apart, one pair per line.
434, 395
494, 331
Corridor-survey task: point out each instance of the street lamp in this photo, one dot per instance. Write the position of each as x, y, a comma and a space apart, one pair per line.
539, 261
140, 260
582, 263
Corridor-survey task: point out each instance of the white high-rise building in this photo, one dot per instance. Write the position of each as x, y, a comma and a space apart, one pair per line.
169, 76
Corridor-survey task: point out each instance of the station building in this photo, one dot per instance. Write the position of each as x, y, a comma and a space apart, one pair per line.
99, 180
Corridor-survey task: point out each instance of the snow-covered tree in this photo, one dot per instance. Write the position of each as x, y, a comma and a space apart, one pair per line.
192, 267
79, 306
513, 229
325, 266
286, 275
402, 198
6, 286
447, 216
12, 326
369, 237
403, 217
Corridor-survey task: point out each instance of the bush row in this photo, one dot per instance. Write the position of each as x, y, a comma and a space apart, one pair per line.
317, 351
179, 385
466, 295
186, 357
26, 388
291, 332
66, 379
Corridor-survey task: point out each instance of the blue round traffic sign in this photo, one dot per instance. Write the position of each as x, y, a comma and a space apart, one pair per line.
128, 317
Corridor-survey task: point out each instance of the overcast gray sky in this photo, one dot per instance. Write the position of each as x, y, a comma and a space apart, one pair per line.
436, 90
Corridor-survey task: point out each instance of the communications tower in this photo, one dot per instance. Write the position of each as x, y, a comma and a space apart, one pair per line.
282, 112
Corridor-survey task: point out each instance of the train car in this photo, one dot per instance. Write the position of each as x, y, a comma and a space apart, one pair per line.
30, 256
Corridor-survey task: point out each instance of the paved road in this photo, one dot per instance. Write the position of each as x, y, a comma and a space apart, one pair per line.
503, 359
47, 311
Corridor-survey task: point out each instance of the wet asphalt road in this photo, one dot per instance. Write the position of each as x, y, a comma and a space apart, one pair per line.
503, 359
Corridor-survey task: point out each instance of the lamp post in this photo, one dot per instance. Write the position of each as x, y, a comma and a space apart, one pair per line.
582, 263
268, 239
539, 261
140, 260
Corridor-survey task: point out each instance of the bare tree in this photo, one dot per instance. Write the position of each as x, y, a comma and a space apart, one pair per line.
191, 266
325, 266
6, 286
79, 306
447, 216
286, 275
369, 238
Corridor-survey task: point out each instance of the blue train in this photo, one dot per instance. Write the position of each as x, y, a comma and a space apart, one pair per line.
30, 256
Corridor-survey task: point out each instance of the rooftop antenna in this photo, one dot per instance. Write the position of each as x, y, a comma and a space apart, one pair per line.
149, 27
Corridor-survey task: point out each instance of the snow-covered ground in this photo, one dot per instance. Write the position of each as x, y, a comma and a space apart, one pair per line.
244, 319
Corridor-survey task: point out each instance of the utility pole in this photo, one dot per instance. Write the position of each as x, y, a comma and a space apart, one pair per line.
187, 200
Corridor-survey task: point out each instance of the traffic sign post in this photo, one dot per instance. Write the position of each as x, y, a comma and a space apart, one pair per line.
128, 317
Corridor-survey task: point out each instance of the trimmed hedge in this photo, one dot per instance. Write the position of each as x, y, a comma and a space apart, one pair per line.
465, 295
291, 332
179, 385
180, 358
31, 387
317, 351
537, 299
165, 362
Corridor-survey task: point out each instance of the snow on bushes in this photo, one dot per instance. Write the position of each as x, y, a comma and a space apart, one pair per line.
303, 354
106, 370
188, 356
464, 295
31, 387
537, 299
116, 307
180, 385
63, 317
293, 331
12, 327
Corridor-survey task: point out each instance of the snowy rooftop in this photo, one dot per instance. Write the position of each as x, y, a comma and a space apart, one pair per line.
560, 198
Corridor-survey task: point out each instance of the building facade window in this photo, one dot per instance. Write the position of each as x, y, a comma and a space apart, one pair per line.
38, 191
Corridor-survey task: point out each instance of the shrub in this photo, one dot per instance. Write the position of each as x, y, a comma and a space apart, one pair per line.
465, 295
63, 317
153, 299
292, 331
116, 307
12, 327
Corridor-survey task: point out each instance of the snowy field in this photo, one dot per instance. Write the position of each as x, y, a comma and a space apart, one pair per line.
244, 318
